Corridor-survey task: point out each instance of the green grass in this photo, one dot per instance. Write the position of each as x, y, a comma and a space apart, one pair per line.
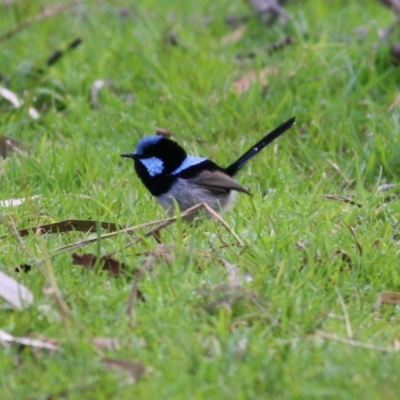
340, 89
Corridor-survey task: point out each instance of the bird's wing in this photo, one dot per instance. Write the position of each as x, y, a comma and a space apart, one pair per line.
217, 181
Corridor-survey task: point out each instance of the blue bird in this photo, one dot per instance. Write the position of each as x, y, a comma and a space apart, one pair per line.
170, 174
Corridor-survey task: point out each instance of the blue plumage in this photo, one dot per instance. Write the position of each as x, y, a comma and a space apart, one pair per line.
154, 165
188, 162
145, 143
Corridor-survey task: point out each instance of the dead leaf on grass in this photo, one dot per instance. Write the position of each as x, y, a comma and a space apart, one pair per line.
16, 202
105, 343
78, 225
243, 84
97, 85
385, 187
107, 263
392, 298
9, 145
133, 370
14, 293
10, 96
234, 36
164, 132
27, 341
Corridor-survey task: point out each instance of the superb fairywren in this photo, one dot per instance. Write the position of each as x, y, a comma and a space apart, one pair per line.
169, 173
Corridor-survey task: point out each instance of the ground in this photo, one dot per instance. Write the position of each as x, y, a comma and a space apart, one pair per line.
290, 314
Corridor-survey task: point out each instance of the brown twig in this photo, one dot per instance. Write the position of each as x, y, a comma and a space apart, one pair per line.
351, 342
359, 247
341, 198
166, 222
47, 13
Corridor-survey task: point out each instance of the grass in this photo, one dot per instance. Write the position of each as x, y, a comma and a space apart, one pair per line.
342, 92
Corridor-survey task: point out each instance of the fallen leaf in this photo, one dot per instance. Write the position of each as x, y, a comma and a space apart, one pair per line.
234, 36
243, 84
385, 187
11, 97
78, 225
108, 263
16, 202
14, 293
94, 92
41, 343
163, 132
341, 198
8, 144
392, 298
105, 343
16, 102
132, 369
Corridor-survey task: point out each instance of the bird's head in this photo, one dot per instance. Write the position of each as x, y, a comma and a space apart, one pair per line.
156, 155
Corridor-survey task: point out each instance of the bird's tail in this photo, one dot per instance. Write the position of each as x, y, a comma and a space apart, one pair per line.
266, 140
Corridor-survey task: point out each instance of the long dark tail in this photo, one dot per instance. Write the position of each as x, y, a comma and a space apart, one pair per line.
266, 140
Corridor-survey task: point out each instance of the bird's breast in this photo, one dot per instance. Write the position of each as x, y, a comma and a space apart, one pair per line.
188, 194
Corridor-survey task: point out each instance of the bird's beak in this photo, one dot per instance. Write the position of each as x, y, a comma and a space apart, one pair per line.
131, 155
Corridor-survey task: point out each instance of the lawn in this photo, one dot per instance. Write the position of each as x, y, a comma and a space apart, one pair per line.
290, 312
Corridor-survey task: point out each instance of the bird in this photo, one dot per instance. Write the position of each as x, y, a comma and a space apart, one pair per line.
171, 175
